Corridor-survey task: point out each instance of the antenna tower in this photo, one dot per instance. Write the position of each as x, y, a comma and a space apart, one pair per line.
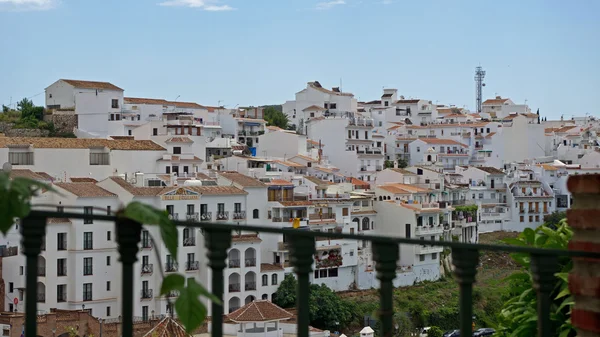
479, 76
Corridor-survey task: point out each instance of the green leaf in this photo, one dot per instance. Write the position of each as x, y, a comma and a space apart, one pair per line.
148, 215
190, 310
563, 276
172, 282
200, 290
529, 236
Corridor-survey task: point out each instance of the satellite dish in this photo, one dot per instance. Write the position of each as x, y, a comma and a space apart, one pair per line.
6, 167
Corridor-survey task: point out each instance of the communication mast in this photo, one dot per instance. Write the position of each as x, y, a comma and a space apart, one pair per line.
479, 76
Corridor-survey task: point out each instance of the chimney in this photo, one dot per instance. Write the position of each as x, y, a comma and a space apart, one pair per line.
498, 97
335, 89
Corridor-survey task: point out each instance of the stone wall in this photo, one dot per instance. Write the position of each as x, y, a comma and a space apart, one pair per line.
62, 122
26, 133
584, 279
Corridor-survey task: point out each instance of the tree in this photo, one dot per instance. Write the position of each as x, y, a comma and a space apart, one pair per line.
519, 313
402, 163
275, 117
434, 331
553, 220
285, 296
5, 108
25, 104
388, 164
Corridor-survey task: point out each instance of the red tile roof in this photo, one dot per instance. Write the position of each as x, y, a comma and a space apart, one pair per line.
240, 179
438, 141
265, 267
495, 101
92, 85
83, 180
85, 190
259, 311
151, 101
168, 327
280, 182
246, 238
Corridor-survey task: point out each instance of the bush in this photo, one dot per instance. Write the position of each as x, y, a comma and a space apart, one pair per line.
434, 331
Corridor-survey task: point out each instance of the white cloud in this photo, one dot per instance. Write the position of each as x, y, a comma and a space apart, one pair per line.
207, 5
329, 4
27, 5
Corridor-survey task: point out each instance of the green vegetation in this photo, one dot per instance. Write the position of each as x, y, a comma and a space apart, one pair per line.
29, 116
435, 332
275, 117
388, 164
327, 309
402, 163
15, 202
553, 220
519, 313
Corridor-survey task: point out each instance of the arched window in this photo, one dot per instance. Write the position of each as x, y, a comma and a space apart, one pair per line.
380, 198
365, 224
255, 214
265, 297
265, 280
274, 279
428, 157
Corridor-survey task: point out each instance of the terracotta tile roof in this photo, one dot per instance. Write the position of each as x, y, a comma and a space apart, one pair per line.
240, 179
296, 203
25, 173
265, 267
456, 125
280, 182
548, 167
246, 238
304, 157
373, 102
150, 101
178, 158
45, 175
85, 190
203, 176
438, 141
403, 188
288, 163
83, 180
402, 171
81, 143
386, 95
317, 181
314, 142
138, 191
363, 212
92, 85
316, 85
495, 101
179, 140
314, 108
407, 101
58, 221
259, 311
490, 135
189, 105
122, 137
395, 127
490, 169
167, 327
358, 182
155, 191
455, 116
565, 128
323, 169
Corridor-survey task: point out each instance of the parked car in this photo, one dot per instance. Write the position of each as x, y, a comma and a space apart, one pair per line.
484, 332
452, 333
423, 332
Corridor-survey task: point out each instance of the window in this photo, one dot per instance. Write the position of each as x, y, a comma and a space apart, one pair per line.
107, 210
11, 287
386, 103
129, 132
521, 219
108, 260
531, 218
265, 280
537, 218
220, 208
145, 313
21, 270
88, 240
155, 132
107, 311
99, 158
88, 210
61, 267
87, 291
274, 279
20, 158
433, 256
407, 230
61, 293
61, 241
418, 149
237, 207
332, 272
421, 257
108, 234
107, 285
114, 103
177, 150
255, 214
87, 266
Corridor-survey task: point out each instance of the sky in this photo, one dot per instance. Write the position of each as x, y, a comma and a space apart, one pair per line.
255, 52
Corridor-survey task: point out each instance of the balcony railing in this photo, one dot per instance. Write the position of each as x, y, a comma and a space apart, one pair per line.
147, 269
239, 215
250, 286
146, 293
234, 288
250, 262
222, 215
41, 271
465, 258
189, 242
234, 263
192, 265
192, 216
174, 216
146, 244
171, 267
41, 298
206, 216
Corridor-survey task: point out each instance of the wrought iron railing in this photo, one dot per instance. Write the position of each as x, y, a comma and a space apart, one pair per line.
217, 236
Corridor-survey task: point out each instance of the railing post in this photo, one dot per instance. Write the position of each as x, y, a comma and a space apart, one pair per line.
128, 237
543, 268
386, 257
302, 249
584, 278
217, 242
465, 267
33, 232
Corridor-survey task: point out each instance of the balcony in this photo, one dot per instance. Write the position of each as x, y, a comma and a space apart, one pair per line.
147, 269
189, 242
250, 262
465, 257
172, 294
222, 216
192, 217
250, 286
41, 271
192, 265
171, 267
239, 215
206, 216
146, 293
360, 122
234, 263
321, 217
234, 288
173, 216
146, 244
425, 230
41, 298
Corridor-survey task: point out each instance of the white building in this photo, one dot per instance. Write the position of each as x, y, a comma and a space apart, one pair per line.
498, 108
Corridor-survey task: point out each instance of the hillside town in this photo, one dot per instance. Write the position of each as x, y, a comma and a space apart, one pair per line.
394, 165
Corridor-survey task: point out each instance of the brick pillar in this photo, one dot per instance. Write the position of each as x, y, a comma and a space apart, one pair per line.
584, 279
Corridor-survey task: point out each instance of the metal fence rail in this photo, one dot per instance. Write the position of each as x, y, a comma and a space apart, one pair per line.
465, 257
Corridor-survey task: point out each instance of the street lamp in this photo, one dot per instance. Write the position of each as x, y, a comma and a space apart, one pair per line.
101, 321
83, 307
